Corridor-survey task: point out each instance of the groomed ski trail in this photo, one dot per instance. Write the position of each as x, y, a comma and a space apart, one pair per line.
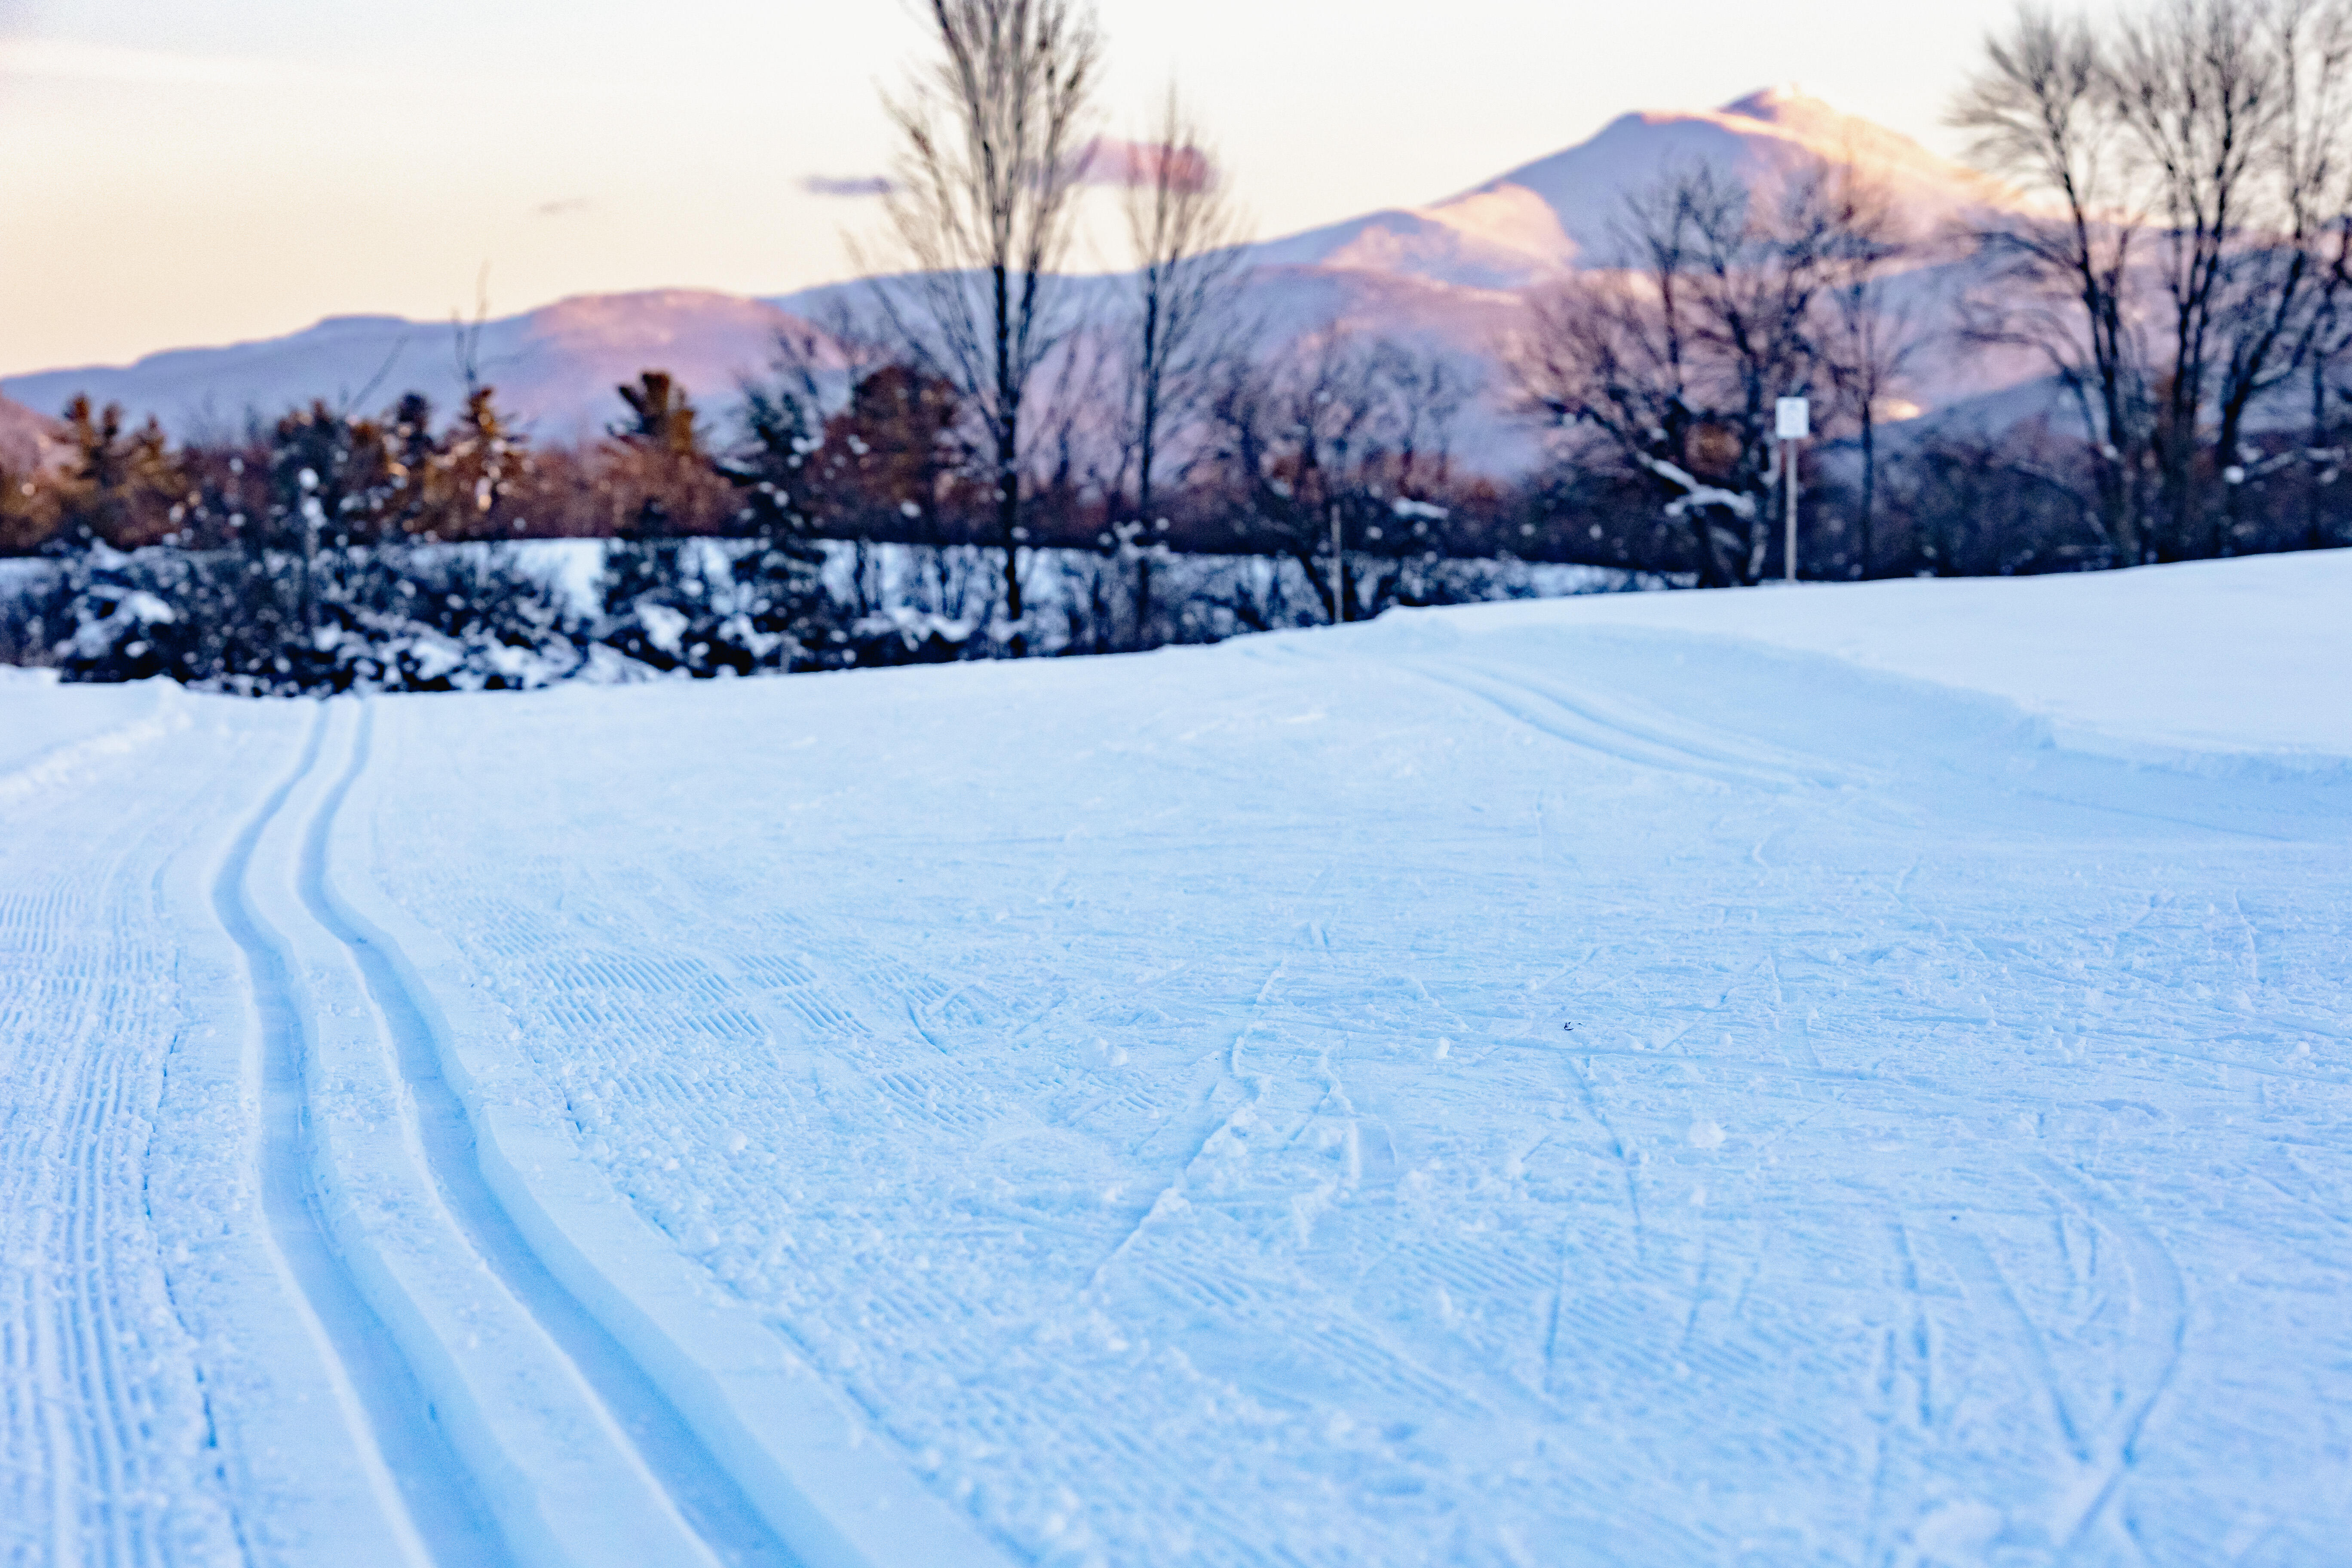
1704, 1099
697, 1485
508, 1425
108, 1450
418, 1483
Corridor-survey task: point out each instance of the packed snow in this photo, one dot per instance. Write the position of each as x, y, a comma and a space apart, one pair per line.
1840, 1074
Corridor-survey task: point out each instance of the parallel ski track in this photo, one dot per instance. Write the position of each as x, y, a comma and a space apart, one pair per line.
94, 1392
1651, 743
441, 1499
713, 1502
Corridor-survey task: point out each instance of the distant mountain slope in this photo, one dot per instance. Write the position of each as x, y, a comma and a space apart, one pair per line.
1561, 212
1449, 276
557, 366
28, 440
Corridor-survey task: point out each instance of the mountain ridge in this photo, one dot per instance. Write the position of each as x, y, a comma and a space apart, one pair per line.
1448, 273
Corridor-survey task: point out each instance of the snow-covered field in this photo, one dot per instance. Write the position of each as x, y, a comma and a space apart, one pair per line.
1832, 1076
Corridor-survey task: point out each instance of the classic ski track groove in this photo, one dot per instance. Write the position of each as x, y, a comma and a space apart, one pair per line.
703, 1492
80, 1182
799, 1448
1588, 726
431, 1506
490, 1453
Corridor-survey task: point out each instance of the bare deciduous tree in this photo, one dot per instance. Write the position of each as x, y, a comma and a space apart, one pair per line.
1185, 236
982, 210
2195, 87
2198, 154
1676, 364
2283, 277
2041, 115
1331, 445
1869, 337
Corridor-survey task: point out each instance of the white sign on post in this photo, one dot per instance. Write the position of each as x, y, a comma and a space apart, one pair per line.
1792, 420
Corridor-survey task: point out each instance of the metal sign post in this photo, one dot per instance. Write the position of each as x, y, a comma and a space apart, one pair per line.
1339, 570
1792, 422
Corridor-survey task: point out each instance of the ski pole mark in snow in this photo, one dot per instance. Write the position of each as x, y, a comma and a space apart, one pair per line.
2152, 1349
1171, 1199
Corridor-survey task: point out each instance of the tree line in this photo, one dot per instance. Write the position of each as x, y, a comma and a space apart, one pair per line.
2180, 274
844, 518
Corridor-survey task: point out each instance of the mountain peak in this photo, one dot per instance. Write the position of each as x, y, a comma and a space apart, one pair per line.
1776, 103
1827, 130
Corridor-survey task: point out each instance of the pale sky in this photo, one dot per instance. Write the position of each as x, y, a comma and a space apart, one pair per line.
176, 172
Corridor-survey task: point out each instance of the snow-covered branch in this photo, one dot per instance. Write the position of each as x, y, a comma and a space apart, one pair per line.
1697, 493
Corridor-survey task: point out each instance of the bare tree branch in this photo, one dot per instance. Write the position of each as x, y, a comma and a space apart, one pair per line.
982, 214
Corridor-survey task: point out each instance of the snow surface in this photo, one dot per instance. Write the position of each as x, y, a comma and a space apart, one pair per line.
2235, 656
1850, 1074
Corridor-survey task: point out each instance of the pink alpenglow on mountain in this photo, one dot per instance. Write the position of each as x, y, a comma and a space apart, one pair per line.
1560, 213
1450, 274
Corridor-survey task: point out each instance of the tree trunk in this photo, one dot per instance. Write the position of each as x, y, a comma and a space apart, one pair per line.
1143, 523
1869, 487
1008, 454
2314, 536
1339, 571
1008, 526
2225, 521
1713, 571
1148, 449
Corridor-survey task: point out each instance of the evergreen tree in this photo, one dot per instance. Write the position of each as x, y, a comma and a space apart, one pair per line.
779, 611
120, 487
476, 472
657, 584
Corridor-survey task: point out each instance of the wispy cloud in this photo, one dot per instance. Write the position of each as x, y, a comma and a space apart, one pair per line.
61, 60
1115, 161
565, 207
848, 185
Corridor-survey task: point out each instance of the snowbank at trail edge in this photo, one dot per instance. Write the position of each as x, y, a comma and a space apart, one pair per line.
49, 730
2248, 655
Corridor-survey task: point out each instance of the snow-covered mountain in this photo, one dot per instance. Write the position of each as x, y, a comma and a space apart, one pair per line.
1449, 275
1560, 213
557, 366
27, 439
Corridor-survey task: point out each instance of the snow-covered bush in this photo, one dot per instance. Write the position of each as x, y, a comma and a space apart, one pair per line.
35, 610
404, 617
704, 607
375, 618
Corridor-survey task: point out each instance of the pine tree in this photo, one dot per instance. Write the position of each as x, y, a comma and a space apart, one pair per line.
476, 472
120, 486
656, 598
779, 613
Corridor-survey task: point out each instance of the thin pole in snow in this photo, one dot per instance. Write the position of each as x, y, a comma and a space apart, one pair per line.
1339, 573
1792, 419
1789, 482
